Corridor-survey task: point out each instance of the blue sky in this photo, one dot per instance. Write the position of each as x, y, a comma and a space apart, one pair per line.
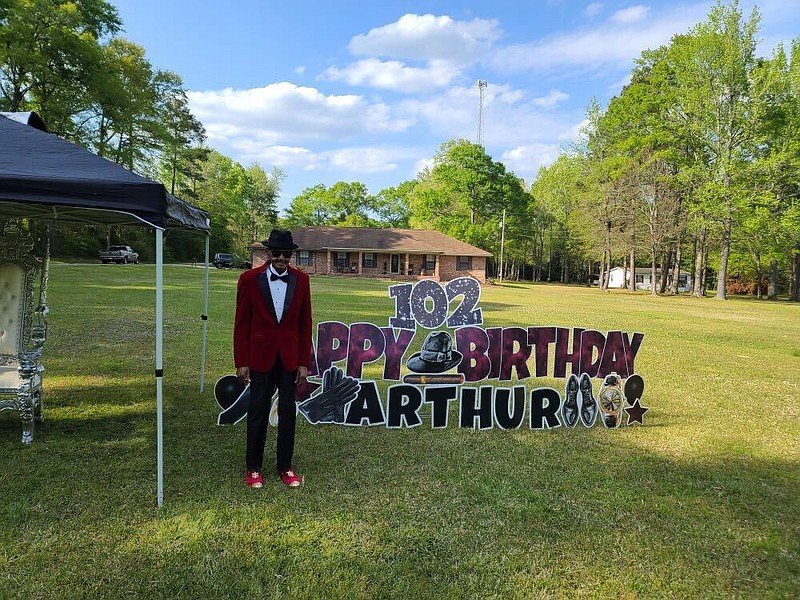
367, 90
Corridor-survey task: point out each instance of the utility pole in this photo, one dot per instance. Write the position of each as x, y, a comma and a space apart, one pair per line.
502, 243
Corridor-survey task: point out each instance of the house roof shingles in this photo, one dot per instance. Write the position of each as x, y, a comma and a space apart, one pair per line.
382, 240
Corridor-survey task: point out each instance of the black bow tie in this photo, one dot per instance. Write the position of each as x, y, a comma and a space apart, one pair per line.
284, 278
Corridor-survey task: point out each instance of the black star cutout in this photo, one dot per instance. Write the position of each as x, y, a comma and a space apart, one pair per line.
636, 412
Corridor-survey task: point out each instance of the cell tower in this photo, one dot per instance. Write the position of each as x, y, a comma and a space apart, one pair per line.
481, 88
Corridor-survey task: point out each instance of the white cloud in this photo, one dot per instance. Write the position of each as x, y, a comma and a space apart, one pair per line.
632, 14
280, 156
303, 130
451, 113
526, 160
575, 134
422, 164
363, 160
611, 44
513, 120
551, 99
284, 112
394, 75
428, 52
344, 161
428, 37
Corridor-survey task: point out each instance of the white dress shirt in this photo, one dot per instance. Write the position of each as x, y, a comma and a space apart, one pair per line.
278, 290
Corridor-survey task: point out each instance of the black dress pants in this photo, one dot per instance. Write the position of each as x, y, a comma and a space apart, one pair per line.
262, 388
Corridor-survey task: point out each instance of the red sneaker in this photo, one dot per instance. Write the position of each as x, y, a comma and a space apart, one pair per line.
290, 478
253, 479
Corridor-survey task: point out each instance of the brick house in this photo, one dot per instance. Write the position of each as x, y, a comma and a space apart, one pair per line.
405, 254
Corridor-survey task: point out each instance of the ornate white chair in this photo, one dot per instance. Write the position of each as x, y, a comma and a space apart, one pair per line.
23, 328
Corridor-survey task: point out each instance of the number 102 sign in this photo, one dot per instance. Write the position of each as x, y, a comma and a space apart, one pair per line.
427, 304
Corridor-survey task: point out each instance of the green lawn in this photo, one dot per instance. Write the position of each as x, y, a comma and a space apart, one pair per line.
702, 501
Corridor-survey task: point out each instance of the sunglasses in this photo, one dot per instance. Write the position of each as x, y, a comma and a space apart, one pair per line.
287, 254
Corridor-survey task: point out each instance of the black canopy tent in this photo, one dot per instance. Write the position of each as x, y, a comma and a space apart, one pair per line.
45, 177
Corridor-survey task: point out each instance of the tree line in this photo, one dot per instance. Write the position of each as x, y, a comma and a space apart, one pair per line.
66, 61
693, 166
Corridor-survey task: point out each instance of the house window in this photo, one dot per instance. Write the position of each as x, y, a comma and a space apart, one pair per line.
369, 260
464, 263
341, 262
304, 258
430, 263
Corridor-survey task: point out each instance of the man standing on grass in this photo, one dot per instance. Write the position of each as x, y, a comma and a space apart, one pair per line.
272, 348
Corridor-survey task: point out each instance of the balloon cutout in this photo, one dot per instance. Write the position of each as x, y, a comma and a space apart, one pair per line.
634, 388
233, 397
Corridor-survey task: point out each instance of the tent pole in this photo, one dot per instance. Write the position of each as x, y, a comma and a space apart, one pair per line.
204, 317
160, 362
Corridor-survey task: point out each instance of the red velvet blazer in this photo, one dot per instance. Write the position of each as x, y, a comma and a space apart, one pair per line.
258, 337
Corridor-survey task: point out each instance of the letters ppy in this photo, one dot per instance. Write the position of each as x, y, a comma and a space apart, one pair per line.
476, 354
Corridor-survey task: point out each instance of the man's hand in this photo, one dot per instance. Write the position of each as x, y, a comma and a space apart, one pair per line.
302, 375
243, 374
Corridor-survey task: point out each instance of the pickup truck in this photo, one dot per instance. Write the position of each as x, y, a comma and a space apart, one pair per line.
120, 255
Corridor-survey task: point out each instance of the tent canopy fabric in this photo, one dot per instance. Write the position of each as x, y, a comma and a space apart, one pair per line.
43, 176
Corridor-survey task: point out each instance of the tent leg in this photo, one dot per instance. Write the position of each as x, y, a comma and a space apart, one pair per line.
160, 363
204, 317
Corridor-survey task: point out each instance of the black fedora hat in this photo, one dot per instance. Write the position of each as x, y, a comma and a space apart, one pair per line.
437, 354
280, 239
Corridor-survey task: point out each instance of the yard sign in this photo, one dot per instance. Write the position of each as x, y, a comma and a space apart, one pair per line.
484, 370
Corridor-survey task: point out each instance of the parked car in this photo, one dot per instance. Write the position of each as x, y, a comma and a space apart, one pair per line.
226, 260
120, 255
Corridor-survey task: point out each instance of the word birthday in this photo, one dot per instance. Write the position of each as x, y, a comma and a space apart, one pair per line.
492, 353
486, 353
